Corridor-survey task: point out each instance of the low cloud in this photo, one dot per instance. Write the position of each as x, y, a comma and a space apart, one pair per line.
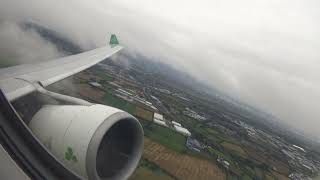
19, 46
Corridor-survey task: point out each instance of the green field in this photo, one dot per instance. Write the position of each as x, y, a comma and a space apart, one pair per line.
105, 77
217, 154
165, 137
124, 105
116, 102
234, 149
246, 177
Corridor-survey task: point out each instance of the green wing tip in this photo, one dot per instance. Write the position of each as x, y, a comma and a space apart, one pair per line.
113, 41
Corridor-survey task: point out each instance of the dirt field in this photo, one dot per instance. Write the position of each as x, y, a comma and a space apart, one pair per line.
181, 166
87, 76
279, 166
86, 90
145, 174
279, 176
143, 113
235, 148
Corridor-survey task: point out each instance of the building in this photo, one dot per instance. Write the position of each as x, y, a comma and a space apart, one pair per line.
158, 119
299, 148
161, 123
176, 123
165, 91
115, 84
223, 162
194, 115
181, 97
182, 130
155, 98
298, 176
193, 145
158, 116
95, 84
145, 103
123, 92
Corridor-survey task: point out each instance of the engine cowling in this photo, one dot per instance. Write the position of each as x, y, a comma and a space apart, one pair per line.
96, 142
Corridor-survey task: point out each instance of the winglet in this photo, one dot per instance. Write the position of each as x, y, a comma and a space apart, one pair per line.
113, 41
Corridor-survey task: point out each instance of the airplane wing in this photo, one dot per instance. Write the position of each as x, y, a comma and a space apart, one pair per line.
76, 140
17, 81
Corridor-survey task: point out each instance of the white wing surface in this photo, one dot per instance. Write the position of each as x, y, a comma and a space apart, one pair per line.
17, 81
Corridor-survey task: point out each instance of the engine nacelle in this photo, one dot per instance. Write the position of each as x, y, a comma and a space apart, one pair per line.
96, 142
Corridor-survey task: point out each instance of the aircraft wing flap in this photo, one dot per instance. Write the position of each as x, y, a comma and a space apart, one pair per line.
15, 88
17, 81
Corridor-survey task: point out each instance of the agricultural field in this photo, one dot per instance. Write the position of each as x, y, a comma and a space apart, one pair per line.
235, 149
89, 92
148, 170
179, 165
116, 102
165, 136
143, 173
216, 154
166, 156
279, 176
104, 76
143, 113
86, 76
131, 108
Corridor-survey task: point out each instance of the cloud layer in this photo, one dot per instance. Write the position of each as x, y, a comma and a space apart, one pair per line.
265, 52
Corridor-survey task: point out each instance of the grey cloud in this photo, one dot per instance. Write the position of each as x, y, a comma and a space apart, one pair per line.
265, 53
23, 46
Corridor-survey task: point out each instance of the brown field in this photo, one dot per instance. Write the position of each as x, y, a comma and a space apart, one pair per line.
72, 87
86, 75
279, 166
143, 113
279, 176
269, 176
234, 148
261, 157
258, 156
145, 174
86, 90
181, 166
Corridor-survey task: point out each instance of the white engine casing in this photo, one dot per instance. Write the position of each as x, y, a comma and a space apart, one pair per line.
96, 142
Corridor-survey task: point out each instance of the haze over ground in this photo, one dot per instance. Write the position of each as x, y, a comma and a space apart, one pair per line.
265, 52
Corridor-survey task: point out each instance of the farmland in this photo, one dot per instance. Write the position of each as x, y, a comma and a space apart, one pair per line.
234, 148
165, 137
143, 113
181, 166
116, 102
148, 170
249, 158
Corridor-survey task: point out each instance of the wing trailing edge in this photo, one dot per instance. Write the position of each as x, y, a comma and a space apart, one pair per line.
17, 81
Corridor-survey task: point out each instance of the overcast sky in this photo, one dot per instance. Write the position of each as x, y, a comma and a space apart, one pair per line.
264, 52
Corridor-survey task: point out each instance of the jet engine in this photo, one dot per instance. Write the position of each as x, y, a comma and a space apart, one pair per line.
97, 142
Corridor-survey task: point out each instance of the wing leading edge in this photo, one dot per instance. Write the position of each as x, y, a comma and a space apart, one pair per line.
17, 81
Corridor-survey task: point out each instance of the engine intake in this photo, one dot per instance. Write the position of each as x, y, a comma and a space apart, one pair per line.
97, 142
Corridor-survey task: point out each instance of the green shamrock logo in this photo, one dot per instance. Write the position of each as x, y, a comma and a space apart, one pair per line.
68, 155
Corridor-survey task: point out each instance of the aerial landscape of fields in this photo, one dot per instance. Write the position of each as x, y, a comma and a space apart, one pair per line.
226, 145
